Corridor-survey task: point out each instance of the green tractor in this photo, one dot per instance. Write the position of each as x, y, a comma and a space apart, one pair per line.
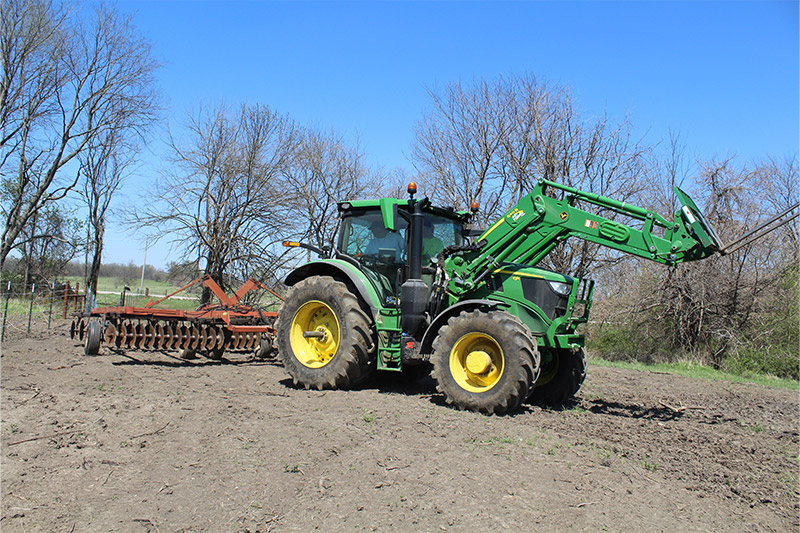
409, 289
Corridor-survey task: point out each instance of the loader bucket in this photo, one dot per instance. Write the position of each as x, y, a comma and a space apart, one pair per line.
695, 220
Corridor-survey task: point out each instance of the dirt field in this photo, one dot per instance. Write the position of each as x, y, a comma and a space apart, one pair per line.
147, 442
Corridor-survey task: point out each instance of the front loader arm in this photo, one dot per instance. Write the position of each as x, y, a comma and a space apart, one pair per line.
533, 227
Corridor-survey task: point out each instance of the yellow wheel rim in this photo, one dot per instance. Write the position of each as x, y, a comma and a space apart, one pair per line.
550, 370
317, 319
476, 362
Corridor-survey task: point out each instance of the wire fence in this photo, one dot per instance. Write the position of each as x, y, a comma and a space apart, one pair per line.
39, 307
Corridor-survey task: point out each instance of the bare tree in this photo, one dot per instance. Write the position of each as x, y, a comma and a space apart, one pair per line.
324, 171
48, 242
104, 165
491, 141
780, 180
67, 79
716, 307
459, 142
221, 202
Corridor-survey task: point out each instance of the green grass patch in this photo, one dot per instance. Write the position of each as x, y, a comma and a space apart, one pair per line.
116, 284
693, 370
133, 300
22, 306
184, 301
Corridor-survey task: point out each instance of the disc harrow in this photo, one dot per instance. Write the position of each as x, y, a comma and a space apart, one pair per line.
211, 330
170, 334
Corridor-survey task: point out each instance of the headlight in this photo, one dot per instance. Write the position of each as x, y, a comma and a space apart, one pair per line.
561, 288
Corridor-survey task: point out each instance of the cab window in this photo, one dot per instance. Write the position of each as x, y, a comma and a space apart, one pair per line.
438, 233
365, 235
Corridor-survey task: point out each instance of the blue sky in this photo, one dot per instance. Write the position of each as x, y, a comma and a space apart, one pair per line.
724, 74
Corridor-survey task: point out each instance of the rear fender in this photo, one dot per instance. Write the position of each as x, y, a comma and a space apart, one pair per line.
342, 271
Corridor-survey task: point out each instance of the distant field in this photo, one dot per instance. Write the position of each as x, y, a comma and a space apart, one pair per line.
134, 300
116, 285
186, 300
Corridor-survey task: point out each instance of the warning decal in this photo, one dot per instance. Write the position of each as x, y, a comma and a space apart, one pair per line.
590, 224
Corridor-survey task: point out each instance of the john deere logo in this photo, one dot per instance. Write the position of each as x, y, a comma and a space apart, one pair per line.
564, 215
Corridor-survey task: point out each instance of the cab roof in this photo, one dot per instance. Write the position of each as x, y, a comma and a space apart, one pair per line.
403, 204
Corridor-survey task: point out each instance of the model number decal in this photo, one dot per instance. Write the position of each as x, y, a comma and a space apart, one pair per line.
689, 215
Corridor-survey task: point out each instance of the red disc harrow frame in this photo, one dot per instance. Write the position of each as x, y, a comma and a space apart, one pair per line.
211, 329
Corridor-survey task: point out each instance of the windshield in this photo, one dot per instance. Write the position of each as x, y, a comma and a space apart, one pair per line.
384, 253
438, 233
364, 234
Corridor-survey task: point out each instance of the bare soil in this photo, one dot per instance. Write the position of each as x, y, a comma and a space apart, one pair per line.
144, 441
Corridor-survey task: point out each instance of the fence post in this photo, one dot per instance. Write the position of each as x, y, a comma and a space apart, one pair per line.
50, 313
5, 312
66, 291
30, 309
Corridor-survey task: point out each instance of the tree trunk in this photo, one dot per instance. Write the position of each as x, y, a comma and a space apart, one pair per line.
94, 271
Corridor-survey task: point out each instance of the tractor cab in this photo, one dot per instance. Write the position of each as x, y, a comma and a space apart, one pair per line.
376, 233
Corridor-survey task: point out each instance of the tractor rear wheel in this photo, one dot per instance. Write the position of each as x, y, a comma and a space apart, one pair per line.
325, 340
485, 361
561, 379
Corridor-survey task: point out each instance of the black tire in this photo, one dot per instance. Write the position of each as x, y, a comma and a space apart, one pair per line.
344, 356
188, 353
485, 361
561, 379
215, 354
94, 330
265, 349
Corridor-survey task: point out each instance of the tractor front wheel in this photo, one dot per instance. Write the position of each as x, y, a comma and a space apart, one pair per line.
325, 340
485, 361
561, 379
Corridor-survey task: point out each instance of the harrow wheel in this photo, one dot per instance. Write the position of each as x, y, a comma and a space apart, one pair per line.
325, 340
149, 336
265, 348
138, 341
94, 332
122, 335
215, 343
485, 361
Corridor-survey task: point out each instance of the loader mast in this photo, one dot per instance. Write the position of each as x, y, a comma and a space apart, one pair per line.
538, 223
